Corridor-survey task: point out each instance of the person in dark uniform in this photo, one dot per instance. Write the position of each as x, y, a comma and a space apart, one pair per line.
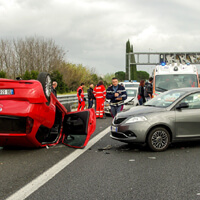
148, 91
90, 96
54, 85
141, 97
117, 94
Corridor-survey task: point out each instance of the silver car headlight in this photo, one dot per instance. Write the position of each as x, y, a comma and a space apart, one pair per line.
130, 103
136, 119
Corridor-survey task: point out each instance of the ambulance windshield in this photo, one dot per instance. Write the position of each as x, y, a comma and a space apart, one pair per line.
172, 81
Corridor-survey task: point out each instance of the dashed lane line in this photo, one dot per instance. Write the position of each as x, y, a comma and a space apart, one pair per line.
35, 184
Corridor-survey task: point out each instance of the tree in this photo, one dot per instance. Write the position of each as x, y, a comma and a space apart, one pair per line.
127, 59
34, 74
30, 75
74, 75
26, 76
128, 47
120, 75
108, 79
58, 77
142, 75
130, 58
2, 74
30, 54
133, 66
94, 79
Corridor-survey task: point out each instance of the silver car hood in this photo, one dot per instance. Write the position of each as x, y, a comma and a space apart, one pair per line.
129, 99
125, 101
140, 110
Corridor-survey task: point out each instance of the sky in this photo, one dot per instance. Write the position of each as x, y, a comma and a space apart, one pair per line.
94, 32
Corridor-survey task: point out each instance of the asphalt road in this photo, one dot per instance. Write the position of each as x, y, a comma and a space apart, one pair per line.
18, 166
122, 172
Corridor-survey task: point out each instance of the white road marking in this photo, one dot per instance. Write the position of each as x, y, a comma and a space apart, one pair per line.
35, 184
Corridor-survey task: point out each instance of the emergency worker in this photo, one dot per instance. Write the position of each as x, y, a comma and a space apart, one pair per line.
100, 95
81, 98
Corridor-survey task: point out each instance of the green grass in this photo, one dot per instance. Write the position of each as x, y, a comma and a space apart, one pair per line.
72, 92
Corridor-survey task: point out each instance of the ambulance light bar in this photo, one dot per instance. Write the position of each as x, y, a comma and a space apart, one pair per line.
163, 64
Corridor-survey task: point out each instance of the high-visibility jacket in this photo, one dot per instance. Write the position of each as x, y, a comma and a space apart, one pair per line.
99, 92
80, 93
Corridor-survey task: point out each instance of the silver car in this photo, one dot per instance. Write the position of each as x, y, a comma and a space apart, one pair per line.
132, 99
172, 116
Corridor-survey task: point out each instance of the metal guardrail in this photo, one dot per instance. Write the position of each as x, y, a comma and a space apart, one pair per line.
71, 99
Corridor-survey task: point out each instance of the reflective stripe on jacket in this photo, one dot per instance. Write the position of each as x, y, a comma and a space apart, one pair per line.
99, 92
80, 93
110, 94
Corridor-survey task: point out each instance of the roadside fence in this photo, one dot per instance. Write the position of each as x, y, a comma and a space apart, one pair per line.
71, 99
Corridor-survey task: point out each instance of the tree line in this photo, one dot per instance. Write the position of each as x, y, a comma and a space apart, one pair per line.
20, 55
27, 57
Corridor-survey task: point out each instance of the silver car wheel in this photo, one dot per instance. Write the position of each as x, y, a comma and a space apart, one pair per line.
159, 139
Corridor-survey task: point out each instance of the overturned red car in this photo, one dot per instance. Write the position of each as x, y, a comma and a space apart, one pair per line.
31, 116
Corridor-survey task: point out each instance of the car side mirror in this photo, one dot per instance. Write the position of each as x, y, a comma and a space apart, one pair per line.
182, 105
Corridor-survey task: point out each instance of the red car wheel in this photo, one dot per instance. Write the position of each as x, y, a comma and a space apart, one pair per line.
45, 80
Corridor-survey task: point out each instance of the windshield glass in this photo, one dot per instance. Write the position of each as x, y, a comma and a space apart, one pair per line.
131, 85
173, 81
165, 99
131, 93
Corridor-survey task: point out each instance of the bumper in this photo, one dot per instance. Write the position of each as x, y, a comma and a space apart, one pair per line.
107, 110
21, 139
130, 133
13, 122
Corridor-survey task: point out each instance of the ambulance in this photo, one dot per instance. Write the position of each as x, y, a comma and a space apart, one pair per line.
175, 75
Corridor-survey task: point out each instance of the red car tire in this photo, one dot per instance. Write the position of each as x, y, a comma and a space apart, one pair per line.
45, 80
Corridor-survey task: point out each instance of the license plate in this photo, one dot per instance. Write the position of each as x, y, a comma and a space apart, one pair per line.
114, 129
6, 91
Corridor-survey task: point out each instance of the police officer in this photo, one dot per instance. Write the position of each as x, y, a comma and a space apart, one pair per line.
81, 98
117, 94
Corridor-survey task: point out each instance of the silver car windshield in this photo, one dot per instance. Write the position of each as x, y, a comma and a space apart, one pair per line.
173, 81
131, 92
165, 99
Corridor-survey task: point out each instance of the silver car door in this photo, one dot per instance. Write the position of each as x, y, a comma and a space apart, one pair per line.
188, 119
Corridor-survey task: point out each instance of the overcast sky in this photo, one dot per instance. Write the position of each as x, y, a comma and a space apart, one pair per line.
94, 32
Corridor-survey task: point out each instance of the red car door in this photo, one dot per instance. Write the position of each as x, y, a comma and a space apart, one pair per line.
78, 127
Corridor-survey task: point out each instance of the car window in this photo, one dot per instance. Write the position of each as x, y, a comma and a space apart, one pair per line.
165, 99
173, 81
131, 93
192, 100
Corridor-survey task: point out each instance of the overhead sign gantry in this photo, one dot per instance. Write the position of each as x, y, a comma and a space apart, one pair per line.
155, 58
